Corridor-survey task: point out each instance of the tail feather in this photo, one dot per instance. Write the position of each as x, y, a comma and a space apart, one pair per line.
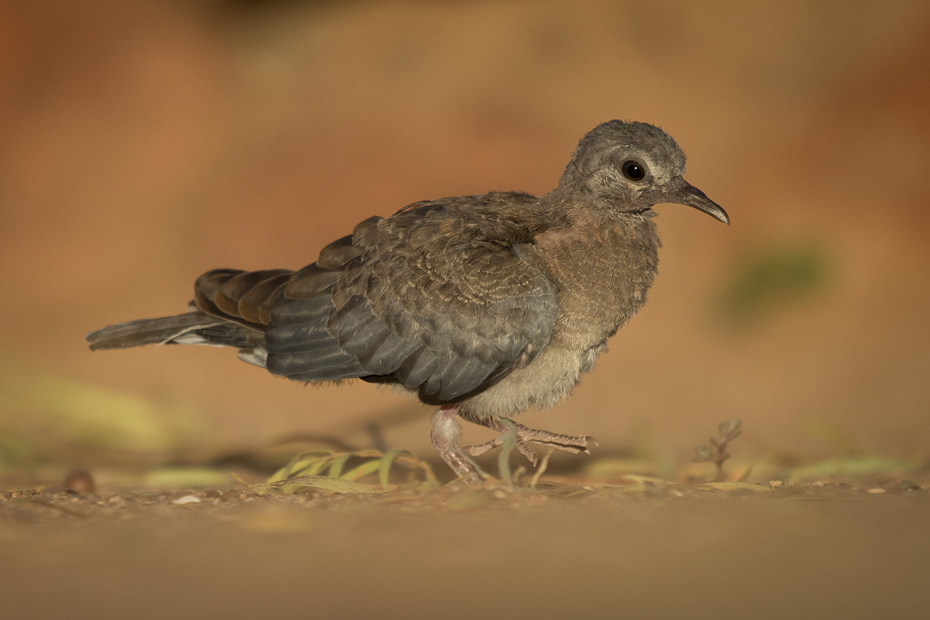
190, 328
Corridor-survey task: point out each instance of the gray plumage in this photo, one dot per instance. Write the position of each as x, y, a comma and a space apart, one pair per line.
484, 305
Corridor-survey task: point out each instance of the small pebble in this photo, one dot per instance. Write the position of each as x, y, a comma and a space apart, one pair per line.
187, 499
80, 481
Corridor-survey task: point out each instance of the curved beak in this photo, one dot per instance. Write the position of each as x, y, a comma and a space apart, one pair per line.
679, 191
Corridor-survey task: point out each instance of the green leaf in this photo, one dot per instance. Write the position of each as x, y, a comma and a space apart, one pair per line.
288, 470
312, 463
337, 464
508, 442
311, 467
727, 431
368, 467
384, 470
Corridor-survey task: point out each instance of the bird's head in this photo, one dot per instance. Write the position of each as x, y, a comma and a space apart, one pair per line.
632, 166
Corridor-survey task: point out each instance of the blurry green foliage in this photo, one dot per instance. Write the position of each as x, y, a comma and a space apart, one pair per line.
772, 278
42, 415
186, 478
841, 441
18, 448
865, 465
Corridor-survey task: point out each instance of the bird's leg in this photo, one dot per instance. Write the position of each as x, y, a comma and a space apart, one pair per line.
556, 441
445, 438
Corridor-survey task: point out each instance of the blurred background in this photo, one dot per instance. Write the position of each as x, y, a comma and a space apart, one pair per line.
144, 143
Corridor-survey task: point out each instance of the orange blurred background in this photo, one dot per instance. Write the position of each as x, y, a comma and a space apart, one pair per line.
144, 143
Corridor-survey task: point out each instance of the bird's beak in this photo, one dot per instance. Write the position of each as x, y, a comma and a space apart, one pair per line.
679, 191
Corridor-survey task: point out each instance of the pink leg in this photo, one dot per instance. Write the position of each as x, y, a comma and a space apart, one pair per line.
445, 438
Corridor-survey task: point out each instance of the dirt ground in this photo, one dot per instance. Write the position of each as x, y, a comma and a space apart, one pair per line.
835, 550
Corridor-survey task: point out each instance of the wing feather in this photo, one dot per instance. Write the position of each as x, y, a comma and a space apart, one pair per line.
436, 298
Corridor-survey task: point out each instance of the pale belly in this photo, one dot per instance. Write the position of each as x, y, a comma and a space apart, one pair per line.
543, 383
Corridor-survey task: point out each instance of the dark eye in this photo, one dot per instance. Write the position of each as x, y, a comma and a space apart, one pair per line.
633, 170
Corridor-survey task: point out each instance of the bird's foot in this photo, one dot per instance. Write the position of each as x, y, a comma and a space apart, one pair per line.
445, 437
525, 435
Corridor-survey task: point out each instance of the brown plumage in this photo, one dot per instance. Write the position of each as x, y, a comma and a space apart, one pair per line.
483, 305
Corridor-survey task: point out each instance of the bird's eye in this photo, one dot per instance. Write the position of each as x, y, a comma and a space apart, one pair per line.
633, 170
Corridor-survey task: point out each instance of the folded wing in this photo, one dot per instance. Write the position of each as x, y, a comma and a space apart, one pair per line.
435, 298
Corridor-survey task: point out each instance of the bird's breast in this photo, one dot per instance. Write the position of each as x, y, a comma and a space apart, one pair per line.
602, 275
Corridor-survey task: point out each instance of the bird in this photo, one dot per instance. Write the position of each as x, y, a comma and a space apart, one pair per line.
483, 306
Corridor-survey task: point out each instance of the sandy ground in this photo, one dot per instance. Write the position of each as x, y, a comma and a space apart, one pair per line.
799, 551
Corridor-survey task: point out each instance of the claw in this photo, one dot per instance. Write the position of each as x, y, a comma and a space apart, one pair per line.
527, 452
446, 431
524, 449
525, 435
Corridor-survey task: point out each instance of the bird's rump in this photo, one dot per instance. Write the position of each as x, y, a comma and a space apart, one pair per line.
243, 297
